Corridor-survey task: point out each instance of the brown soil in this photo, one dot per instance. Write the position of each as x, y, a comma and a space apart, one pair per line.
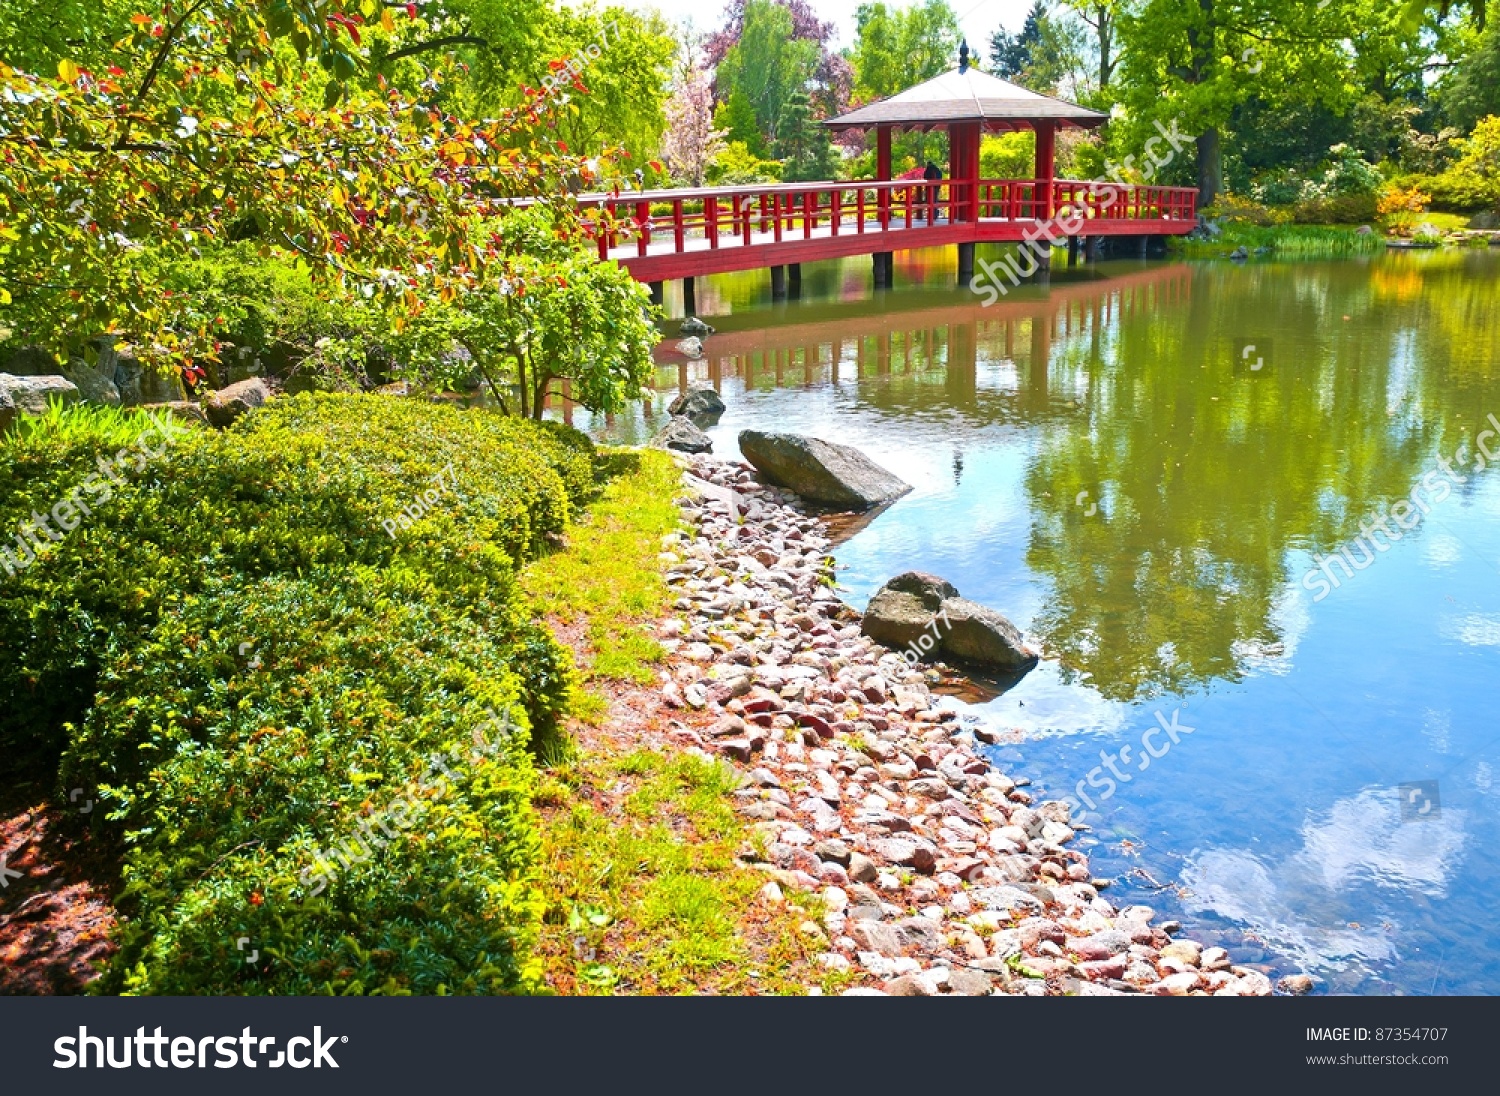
55, 920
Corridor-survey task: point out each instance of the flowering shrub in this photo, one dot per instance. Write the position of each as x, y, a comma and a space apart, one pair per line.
1402, 207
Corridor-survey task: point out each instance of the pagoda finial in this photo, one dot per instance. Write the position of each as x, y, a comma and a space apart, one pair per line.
963, 56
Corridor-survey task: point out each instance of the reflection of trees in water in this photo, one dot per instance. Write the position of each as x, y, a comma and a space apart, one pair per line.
1206, 472
1201, 472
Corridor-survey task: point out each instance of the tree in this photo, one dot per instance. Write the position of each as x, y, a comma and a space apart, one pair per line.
1188, 66
767, 64
691, 141
1100, 16
1471, 89
1011, 54
199, 127
1057, 65
802, 145
897, 48
626, 62
735, 118
832, 79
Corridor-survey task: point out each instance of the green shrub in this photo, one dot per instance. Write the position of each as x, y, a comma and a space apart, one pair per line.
288, 794
302, 484
1341, 209
247, 652
1458, 191
1278, 188
1231, 209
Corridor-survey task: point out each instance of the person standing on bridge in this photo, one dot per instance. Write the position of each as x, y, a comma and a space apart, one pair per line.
932, 174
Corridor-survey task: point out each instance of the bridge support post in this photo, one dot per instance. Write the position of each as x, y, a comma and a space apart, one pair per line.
658, 293
1072, 251
965, 264
794, 281
885, 269
1143, 241
1043, 252
778, 283
1091, 249
689, 298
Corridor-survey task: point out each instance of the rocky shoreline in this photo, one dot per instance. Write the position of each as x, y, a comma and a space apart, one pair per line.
933, 871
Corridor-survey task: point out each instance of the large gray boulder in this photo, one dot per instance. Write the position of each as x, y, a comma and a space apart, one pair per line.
821, 471
31, 361
694, 326
978, 634
915, 604
94, 385
228, 404
29, 395
702, 405
680, 434
904, 608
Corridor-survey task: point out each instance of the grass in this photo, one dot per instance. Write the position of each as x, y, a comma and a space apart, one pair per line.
1444, 222
608, 578
646, 894
644, 889
1286, 241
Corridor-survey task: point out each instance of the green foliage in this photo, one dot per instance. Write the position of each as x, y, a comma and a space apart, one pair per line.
767, 65
305, 483
1232, 209
802, 144
1194, 65
561, 315
735, 118
249, 649
128, 159
1471, 90
1046, 55
1346, 174
896, 48
622, 58
1008, 156
736, 165
1472, 183
293, 796
1343, 209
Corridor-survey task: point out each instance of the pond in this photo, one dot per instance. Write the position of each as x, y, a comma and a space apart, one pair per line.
1149, 468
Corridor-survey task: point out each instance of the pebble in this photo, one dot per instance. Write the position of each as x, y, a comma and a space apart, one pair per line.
874, 797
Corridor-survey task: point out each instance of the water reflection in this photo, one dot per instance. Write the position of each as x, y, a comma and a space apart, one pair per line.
1099, 460
1312, 906
1169, 485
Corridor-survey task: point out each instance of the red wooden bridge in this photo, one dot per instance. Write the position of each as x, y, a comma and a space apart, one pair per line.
686, 233
666, 234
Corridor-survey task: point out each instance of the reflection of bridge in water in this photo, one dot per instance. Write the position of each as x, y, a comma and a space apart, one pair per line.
874, 341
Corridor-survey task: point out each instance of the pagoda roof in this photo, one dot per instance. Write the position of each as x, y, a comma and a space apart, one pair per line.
967, 95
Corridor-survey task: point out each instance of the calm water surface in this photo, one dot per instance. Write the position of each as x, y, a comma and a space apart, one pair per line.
1104, 461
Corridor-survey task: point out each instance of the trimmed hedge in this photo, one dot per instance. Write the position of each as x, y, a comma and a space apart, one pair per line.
305, 483
249, 657
290, 795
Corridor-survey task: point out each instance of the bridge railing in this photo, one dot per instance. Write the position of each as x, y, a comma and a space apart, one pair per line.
710, 217
1026, 199
766, 213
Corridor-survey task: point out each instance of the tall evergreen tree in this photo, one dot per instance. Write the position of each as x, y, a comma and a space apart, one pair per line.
1011, 54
